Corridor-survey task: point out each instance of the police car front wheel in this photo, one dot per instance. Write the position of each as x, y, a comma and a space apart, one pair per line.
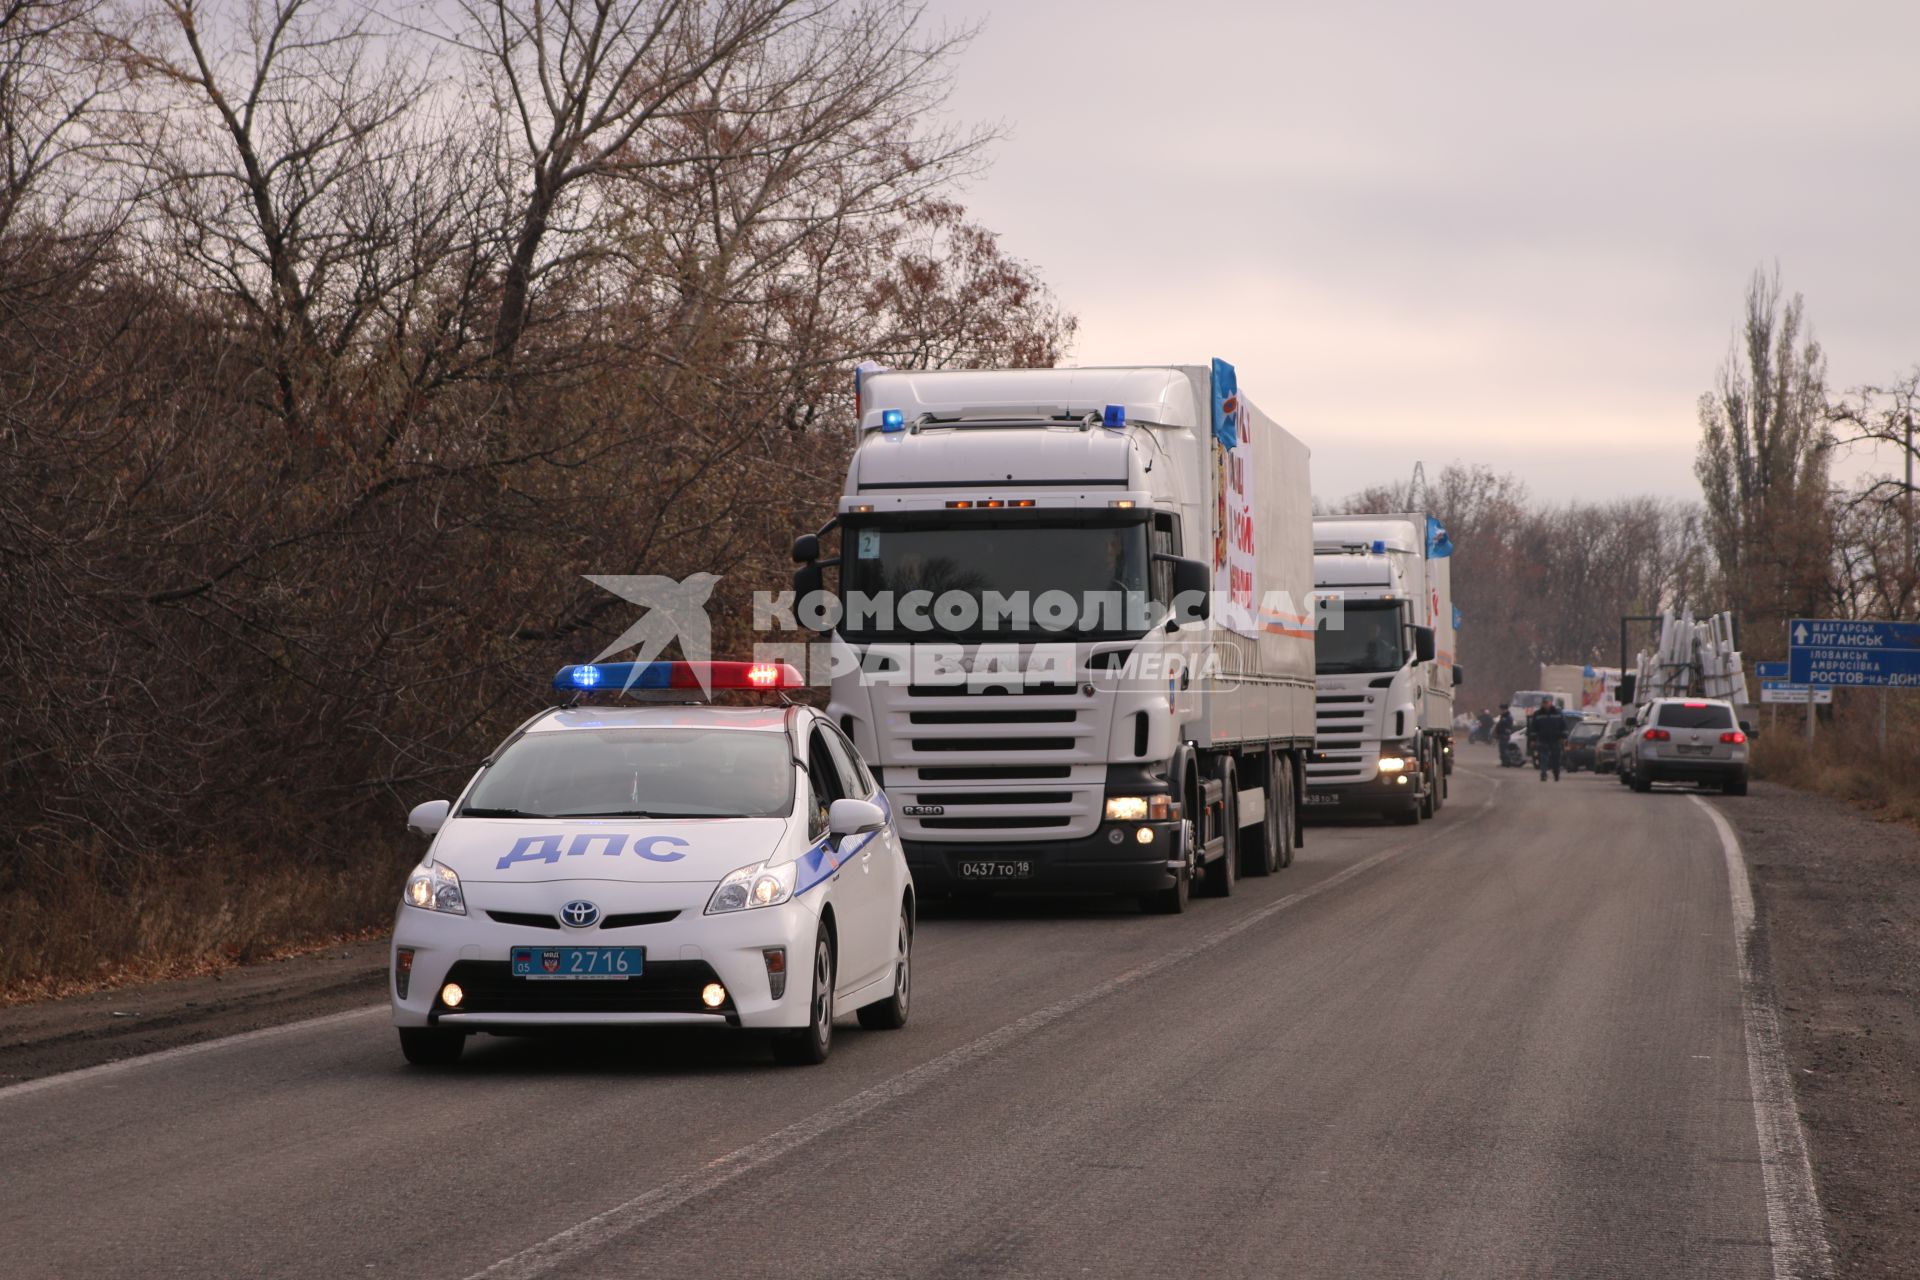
811, 1045
432, 1046
891, 1014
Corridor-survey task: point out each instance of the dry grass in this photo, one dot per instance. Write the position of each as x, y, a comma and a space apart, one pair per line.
72, 930
1845, 759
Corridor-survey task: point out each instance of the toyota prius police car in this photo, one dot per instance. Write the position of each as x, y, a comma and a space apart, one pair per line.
662, 864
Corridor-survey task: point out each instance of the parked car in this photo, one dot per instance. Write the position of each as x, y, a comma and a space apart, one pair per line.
1698, 740
1606, 753
1583, 741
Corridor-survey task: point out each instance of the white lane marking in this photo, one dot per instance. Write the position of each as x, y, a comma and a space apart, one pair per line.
1793, 1205
566, 1247
184, 1051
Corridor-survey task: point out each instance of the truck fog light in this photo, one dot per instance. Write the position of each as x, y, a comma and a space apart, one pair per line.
402, 971
1402, 779
713, 995
451, 995
776, 958
1144, 835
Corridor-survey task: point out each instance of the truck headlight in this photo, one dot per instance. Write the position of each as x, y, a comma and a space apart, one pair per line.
1392, 764
1134, 808
757, 885
435, 888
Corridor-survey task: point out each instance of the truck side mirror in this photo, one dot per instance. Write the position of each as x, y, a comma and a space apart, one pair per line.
1459, 676
806, 548
1624, 694
1192, 588
1746, 727
809, 578
1423, 649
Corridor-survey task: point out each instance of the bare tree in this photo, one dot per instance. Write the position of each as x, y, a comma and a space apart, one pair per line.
1763, 461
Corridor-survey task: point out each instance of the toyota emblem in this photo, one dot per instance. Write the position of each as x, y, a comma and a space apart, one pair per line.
579, 914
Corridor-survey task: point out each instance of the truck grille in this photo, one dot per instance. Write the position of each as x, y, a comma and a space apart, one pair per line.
1340, 725
1005, 762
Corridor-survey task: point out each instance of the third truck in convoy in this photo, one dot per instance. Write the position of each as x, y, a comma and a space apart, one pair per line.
1385, 663
1072, 626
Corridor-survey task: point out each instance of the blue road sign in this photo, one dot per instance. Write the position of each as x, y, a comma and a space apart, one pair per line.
1837, 651
1770, 671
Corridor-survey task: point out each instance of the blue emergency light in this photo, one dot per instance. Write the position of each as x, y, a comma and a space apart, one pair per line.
1115, 416
1379, 547
678, 675
892, 420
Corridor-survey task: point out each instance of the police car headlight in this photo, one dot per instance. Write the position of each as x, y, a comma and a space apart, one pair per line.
435, 888
758, 885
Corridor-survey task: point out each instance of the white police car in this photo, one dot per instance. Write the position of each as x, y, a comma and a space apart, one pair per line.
655, 865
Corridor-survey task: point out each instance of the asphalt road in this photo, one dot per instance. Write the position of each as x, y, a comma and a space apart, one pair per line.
1507, 1042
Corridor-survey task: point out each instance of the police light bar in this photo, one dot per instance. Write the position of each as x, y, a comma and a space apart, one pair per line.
621, 676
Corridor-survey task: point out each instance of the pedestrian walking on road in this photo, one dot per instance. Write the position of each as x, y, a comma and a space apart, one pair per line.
1546, 734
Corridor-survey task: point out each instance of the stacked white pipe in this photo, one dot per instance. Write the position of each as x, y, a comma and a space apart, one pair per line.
1693, 659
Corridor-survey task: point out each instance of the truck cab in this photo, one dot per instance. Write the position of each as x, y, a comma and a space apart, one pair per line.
1385, 700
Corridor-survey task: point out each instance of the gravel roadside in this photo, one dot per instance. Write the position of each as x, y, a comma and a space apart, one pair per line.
52, 1036
1839, 896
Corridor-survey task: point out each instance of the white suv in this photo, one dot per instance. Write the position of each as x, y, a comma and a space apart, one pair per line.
1686, 740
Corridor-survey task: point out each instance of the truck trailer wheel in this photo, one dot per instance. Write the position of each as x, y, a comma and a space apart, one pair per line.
1263, 855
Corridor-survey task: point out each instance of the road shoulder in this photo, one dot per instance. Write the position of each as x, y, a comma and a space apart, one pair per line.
1838, 898
71, 1034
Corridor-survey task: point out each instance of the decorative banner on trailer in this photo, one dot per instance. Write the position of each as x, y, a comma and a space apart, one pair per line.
1235, 582
1439, 545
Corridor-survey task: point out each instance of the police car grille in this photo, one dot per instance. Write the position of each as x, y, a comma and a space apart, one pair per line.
664, 986
525, 919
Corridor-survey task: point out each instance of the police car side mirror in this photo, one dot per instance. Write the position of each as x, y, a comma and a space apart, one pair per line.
427, 819
852, 817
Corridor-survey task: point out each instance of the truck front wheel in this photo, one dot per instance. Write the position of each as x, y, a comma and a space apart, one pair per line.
1223, 872
1171, 902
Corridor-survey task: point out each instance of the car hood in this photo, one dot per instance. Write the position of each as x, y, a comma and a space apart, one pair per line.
632, 851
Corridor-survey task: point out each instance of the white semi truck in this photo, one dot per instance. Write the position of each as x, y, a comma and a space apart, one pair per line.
1386, 665
1071, 627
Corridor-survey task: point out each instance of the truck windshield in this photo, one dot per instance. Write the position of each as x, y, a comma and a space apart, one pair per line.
634, 773
990, 577
1369, 639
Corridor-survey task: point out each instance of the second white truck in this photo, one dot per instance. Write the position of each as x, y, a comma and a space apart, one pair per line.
1386, 665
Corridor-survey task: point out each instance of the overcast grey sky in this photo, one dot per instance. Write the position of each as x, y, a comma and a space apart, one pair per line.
1504, 231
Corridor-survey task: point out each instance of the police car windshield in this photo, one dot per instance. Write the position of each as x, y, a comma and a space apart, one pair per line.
638, 772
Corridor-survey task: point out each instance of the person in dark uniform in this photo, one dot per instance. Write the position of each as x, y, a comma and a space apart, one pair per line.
1547, 734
